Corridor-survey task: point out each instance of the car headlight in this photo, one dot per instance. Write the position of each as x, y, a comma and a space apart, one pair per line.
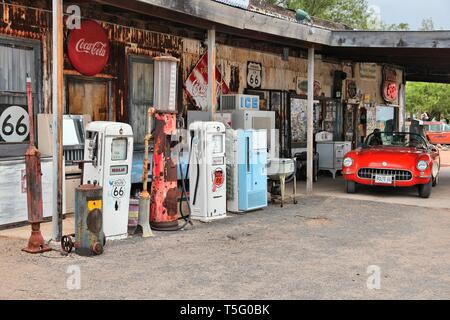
348, 162
422, 165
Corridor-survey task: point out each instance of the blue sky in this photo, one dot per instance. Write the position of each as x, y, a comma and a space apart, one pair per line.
414, 11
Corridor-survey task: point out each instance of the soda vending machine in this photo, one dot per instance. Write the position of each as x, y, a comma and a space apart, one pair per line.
208, 191
108, 161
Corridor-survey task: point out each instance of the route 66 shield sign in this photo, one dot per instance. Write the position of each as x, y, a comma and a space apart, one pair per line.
254, 75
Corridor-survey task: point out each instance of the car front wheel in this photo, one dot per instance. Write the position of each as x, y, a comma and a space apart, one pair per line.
351, 186
435, 181
425, 190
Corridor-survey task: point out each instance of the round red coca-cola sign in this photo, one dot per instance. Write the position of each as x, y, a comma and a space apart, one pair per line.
88, 48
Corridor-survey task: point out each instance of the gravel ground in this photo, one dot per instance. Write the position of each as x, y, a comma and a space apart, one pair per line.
319, 249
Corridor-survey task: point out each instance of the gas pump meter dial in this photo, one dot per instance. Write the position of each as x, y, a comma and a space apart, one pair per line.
217, 143
119, 149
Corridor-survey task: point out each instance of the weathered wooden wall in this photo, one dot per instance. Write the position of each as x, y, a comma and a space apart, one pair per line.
132, 34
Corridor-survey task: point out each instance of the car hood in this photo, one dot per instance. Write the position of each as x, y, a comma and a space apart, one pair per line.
389, 157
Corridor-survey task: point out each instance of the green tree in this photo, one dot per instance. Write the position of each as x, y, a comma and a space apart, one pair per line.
354, 13
395, 27
433, 98
427, 25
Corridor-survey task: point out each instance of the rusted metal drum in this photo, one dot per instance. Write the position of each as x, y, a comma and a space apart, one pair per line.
89, 235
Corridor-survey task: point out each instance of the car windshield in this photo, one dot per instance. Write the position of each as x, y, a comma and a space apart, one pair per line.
439, 127
396, 139
435, 128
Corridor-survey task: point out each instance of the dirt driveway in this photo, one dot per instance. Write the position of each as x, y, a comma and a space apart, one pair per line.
320, 249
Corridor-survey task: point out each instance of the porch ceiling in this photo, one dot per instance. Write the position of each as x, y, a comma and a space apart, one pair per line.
425, 56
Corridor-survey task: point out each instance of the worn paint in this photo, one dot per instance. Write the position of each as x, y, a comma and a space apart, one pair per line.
89, 220
163, 210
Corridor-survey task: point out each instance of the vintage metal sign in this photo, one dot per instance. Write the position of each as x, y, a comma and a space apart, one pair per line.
389, 87
368, 70
88, 48
302, 87
197, 84
14, 124
352, 89
254, 75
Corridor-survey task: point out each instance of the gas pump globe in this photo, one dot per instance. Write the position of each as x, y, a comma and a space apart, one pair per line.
164, 195
166, 83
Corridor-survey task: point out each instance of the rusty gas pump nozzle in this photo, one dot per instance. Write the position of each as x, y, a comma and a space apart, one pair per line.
36, 243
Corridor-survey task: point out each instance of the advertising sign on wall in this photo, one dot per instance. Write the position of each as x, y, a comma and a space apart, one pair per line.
197, 84
368, 70
88, 48
389, 87
254, 75
302, 87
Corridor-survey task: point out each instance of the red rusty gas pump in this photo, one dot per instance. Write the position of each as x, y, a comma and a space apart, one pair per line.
36, 243
164, 192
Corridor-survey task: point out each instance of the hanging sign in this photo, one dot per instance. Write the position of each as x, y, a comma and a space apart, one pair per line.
14, 124
389, 87
196, 85
254, 75
88, 48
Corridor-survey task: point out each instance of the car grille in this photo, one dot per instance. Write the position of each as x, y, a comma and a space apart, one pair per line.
398, 175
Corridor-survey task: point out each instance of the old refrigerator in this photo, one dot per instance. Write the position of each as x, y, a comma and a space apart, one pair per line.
246, 170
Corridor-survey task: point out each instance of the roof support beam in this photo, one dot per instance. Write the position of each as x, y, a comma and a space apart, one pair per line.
310, 123
391, 39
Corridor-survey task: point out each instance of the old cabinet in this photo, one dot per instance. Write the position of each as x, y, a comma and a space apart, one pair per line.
331, 155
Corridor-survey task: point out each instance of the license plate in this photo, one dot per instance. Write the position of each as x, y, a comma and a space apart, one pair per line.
383, 179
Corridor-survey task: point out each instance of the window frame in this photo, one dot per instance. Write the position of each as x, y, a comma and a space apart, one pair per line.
36, 46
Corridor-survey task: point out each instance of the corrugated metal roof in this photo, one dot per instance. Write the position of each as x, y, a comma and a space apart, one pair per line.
236, 3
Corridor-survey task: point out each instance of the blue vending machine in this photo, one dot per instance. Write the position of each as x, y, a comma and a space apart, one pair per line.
247, 170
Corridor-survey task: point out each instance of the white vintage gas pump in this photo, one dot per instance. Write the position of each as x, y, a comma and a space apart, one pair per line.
207, 180
108, 157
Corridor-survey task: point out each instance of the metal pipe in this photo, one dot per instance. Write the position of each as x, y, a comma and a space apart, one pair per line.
30, 110
144, 197
148, 137
310, 123
36, 243
211, 96
57, 102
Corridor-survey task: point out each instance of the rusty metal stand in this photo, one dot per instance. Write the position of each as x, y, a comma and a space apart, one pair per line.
144, 197
36, 243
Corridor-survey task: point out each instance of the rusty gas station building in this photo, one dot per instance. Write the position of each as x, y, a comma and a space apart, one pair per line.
293, 56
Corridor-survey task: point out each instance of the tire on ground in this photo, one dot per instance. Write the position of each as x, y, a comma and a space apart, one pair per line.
425, 189
350, 186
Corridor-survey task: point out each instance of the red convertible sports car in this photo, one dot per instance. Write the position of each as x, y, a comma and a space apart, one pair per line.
396, 159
